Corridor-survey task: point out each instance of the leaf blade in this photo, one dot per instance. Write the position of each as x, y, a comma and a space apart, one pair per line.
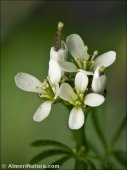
60, 162
41, 142
48, 153
120, 156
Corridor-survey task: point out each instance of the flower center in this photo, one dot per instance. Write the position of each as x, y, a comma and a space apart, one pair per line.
86, 62
47, 91
77, 99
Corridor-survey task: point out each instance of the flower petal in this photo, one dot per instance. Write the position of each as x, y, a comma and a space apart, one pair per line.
54, 71
58, 55
64, 46
76, 118
66, 92
28, 82
86, 72
81, 81
105, 59
98, 84
96, 72
56, 90
43, 111
68, 66
93, 99
75, 45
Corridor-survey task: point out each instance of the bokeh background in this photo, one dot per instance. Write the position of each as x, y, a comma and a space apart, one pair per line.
27, 33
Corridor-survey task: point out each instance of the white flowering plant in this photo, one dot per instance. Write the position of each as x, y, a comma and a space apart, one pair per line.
79, 84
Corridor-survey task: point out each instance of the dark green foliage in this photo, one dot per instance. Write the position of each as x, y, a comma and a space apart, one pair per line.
120, 156
81, 153
40, 143
48, 153
60, 162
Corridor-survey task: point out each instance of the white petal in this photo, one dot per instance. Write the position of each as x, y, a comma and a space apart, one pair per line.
98, 84
28, 82
64, 46
76, 118
56, 90
54, 71
81, 81
58, 55
66, 92
75, 45
96, 72
86, 72
68, 66
43, 111
105, 59
93, 99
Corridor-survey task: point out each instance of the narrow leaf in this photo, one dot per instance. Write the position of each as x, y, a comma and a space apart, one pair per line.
84, 163
48, 153
120, 156
79, 164
60, 162
91, 165
123, 123
42, 142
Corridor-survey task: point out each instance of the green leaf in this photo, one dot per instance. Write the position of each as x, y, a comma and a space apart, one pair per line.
79, 164
120, 156
39, 143
98, 129
106, 165
60, 162
84, 163
91, 165
120, 129
48, 153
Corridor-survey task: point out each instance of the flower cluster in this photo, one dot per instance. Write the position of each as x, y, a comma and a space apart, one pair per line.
79, 83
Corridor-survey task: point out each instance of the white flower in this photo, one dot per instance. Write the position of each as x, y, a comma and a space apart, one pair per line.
83, 61
48, 90
78, 99
99, 81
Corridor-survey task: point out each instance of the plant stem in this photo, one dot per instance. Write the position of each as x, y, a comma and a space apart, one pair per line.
79, 138
81, 147
81, 144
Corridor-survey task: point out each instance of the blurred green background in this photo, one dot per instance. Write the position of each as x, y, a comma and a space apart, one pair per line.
27, 32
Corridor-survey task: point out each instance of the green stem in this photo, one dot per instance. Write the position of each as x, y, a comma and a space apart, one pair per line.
81, 147
81, 144
79, 136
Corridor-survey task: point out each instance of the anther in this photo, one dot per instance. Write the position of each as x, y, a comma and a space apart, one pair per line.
96, 52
